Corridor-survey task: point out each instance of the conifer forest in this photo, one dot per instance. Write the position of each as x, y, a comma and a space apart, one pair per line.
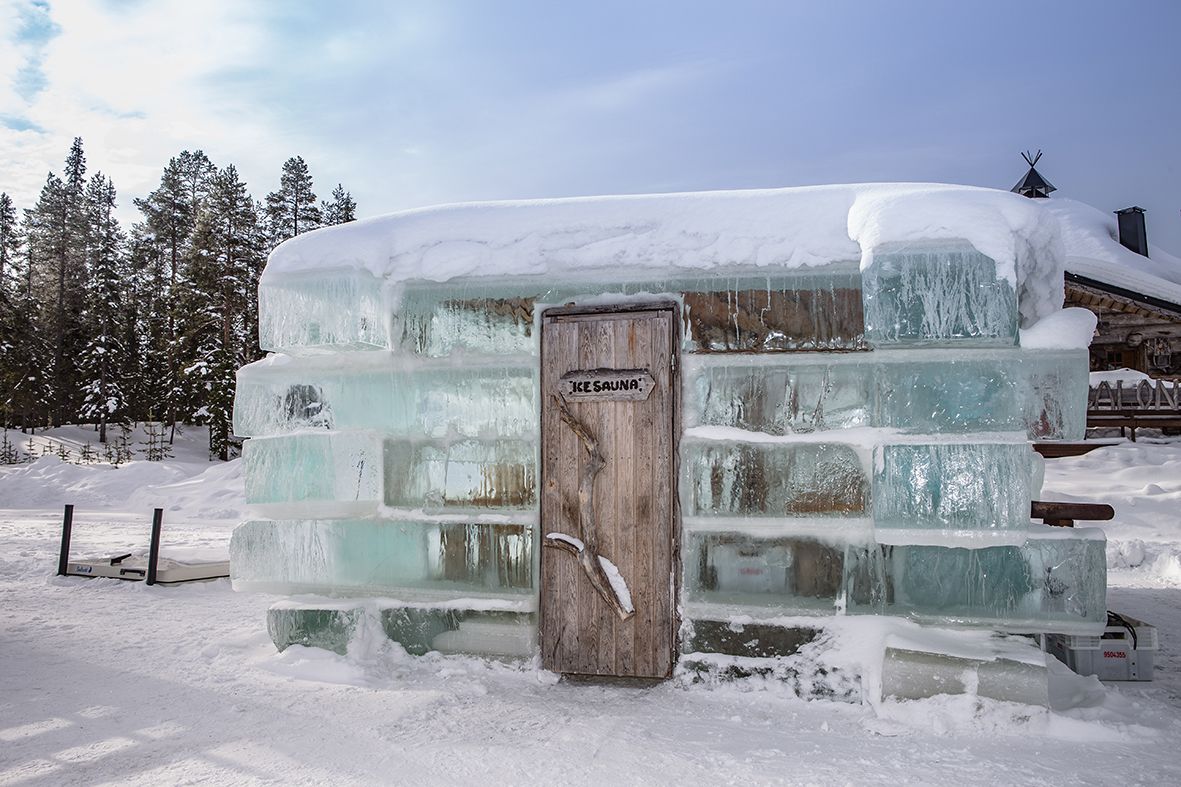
110, 325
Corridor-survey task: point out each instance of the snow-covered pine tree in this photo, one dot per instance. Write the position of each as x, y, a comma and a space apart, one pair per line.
23, 367
341, 209
227, 253
170, 216
9, 243
103, 361
57, 234
292, 210
9, 283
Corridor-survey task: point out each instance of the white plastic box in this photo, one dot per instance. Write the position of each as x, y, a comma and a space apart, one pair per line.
1116, 655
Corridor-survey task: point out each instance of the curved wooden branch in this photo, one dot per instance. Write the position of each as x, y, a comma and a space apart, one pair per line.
588, 556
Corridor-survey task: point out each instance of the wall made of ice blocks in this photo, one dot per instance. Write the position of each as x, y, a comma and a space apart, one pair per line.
446, 471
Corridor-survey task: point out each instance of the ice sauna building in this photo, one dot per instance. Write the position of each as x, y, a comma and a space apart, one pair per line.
616, 431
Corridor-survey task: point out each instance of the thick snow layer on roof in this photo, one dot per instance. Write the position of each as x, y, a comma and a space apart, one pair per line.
788, 228
1093, 250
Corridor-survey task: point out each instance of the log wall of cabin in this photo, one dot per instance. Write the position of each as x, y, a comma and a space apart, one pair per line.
1130, 333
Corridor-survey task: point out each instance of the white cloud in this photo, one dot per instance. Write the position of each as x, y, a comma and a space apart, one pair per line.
139, 84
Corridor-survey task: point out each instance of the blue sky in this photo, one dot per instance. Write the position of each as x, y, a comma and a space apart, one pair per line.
414, 103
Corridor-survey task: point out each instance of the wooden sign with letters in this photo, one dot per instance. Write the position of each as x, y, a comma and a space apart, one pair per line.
606, 385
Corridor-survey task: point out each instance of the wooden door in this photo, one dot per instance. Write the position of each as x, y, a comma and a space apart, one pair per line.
608, 479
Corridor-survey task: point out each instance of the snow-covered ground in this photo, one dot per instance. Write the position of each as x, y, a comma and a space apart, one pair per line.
103, 681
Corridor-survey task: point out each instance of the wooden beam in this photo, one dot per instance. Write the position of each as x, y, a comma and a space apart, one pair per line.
1064, 514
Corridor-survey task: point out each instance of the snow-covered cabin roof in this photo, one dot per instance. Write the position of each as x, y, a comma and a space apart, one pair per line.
596, 236
1090, 238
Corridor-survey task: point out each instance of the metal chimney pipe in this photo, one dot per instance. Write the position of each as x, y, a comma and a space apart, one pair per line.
1132, 233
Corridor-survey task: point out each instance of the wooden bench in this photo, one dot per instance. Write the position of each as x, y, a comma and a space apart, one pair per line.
1064, 514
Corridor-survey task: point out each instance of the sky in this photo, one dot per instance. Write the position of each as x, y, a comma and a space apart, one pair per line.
417, 103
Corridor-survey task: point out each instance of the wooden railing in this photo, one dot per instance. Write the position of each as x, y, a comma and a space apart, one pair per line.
1147, 403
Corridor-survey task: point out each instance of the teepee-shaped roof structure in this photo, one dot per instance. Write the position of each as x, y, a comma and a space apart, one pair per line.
1033, 184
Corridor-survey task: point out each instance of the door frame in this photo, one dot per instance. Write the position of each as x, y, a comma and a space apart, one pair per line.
675, 384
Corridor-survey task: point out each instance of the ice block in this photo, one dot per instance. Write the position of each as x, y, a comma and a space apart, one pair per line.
1056, 582
964, 489
382, 393
783, 311
780, 394
337, 473
937, 292
382, 557
798, 575
330, 312
731, 478
465, 474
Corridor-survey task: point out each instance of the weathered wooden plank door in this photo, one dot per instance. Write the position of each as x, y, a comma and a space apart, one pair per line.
610, 378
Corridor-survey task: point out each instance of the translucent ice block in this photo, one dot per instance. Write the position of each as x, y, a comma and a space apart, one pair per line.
937, 292
1054, 393
1056, 582
438, 319
928, 391
913, 675
743, 311
465, 474
771, 479
412, 400
962, 489
337, 473
779, 394
799, 575
381, 557
419, 629
311, 313
939, 391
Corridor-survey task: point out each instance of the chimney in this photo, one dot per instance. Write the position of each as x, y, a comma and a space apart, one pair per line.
1131, 229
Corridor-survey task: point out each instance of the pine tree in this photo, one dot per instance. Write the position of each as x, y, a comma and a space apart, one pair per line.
292, 210
58, 234
9, 286
227, 252
104, 359
170, 216
341, 209
10, 243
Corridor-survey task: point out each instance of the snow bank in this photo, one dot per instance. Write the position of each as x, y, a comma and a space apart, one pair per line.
1125, 375
786, 228
1063, 330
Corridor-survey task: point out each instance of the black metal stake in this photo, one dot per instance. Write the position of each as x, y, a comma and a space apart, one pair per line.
154, 549
63, 558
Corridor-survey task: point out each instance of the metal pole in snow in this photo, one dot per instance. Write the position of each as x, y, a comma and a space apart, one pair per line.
63, 558
154, 548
